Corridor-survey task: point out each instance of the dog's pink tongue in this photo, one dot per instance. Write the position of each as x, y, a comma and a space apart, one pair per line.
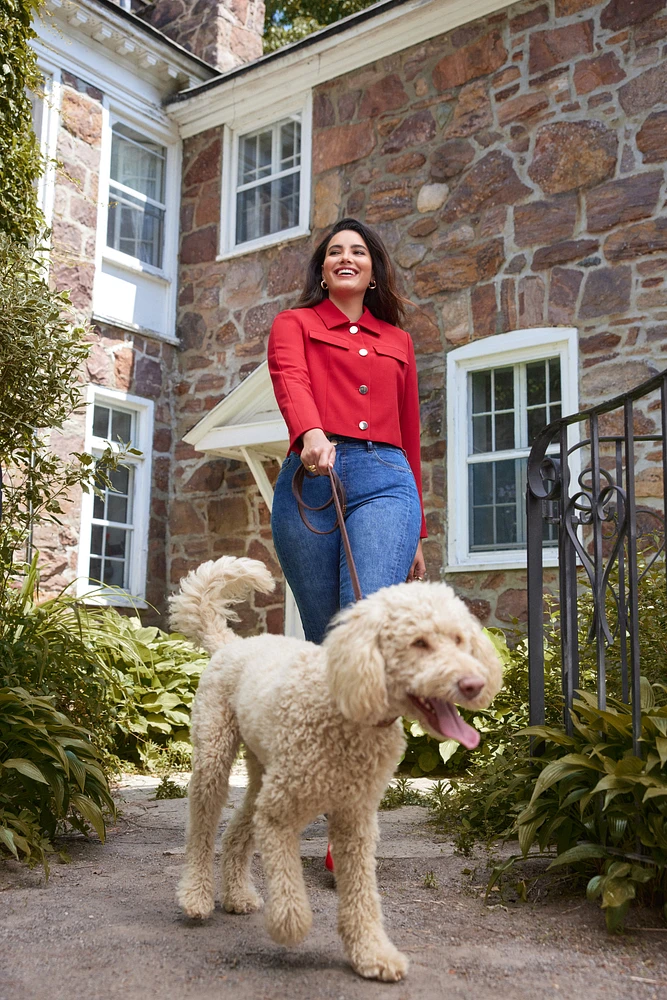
453, 726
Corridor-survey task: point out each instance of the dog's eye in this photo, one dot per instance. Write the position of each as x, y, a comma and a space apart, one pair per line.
420, 643
458, 639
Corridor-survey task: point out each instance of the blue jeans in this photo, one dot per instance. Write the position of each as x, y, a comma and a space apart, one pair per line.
383, 519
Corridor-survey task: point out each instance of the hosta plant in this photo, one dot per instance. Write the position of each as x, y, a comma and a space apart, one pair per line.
587, 801
50, 777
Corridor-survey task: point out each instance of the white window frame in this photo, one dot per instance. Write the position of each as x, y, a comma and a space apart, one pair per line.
301, 105
165, 277
500, 351
141, 498
48, 139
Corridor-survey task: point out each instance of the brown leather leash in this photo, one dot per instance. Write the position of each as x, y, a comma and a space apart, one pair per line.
339, 500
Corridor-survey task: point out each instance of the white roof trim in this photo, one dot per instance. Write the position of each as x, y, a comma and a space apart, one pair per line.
131, 47
301, 68
248, 418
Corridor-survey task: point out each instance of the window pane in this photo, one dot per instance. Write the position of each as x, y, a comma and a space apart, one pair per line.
95, 572
536, 386
117, 508
504, 388
506, 525
537, 421
255, 156
120, 479
505, 481
481, 434
504, 430
137, 162
121, 425
96, 539
290, 145
101, 421
288, 201
481, 483
554, 412
98, 508
554, 380
135, 227
482, 527
116, 542
114, 572
481, 392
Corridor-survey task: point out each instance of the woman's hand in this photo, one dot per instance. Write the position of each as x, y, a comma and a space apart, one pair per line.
318, 451
418, 568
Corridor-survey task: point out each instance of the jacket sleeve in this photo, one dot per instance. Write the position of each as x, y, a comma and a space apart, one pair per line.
291, 378
410, 429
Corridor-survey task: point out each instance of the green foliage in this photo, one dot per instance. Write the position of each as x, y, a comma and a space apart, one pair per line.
289, 20
401, 793
169, 789
20, 163
50, 776
156, 680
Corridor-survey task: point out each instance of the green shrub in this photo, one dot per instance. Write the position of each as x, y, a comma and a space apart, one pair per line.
50, 777
20, 161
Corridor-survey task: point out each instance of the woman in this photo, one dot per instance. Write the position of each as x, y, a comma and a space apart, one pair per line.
345, 380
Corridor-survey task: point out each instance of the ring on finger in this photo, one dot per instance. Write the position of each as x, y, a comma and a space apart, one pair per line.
312, 468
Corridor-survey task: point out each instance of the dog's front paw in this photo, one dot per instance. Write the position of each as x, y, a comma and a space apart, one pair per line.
288, 923
385, 963
195, 897
242, 901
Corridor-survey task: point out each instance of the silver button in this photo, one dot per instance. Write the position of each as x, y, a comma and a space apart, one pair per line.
363, 389
363, 425
354, 329
363, 352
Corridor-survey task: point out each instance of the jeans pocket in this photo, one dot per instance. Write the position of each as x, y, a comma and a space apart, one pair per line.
391, 458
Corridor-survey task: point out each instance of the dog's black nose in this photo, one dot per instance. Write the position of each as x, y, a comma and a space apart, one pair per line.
470, 687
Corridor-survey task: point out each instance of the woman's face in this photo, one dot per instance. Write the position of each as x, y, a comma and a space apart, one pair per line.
347, 267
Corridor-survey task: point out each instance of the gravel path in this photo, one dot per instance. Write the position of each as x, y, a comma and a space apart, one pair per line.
107, 927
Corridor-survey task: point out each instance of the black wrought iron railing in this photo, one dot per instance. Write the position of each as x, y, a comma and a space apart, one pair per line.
599, 476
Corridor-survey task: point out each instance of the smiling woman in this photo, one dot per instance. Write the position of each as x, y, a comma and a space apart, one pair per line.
345, 379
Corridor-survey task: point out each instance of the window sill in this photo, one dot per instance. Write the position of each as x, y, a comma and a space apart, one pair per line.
519, 561
113, 601
285, 236
134, 328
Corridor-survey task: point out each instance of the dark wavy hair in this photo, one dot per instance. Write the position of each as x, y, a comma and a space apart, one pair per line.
384, 301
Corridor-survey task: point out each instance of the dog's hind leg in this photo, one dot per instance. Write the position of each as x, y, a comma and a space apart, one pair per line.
371, 953
216, 739
238, 893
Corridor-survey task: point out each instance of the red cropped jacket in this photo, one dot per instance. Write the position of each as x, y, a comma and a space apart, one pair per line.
354, 379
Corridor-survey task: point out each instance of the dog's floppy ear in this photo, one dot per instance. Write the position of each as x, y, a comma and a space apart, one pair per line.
355, 665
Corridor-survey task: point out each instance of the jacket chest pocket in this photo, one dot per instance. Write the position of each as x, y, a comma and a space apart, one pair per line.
330, 339
388, 351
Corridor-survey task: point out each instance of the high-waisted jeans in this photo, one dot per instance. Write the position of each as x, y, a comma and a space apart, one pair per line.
383, 519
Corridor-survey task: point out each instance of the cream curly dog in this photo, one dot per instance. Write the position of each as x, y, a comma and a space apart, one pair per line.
322, 731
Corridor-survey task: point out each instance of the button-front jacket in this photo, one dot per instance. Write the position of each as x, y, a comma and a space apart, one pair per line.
353, 379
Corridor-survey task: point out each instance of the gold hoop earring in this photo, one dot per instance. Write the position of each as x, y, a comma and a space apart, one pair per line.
324, 284
373, 284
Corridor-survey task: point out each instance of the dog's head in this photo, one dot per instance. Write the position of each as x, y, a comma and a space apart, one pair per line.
412, 650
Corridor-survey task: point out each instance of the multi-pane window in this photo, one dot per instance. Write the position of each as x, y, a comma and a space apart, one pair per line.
508, 407
135, 222
268, 181
112, 522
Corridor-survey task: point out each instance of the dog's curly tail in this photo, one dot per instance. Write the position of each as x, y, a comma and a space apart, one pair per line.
201, 609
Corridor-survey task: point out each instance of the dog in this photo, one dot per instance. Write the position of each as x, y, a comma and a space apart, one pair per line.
322, 730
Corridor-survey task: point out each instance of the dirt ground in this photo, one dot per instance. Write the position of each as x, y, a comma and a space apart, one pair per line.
107, 926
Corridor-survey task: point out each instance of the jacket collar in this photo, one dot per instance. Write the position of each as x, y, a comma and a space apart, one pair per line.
331, 316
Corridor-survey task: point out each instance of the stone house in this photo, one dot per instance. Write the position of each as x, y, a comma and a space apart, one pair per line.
511, 155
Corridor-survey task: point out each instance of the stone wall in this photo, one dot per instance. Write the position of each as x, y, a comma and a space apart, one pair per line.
225, 33
515, 167
118, 359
